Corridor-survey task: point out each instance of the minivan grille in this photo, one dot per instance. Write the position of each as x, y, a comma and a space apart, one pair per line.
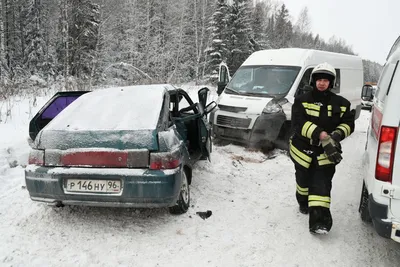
233, 122
231, 108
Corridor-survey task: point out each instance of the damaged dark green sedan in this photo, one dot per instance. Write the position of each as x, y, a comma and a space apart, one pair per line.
128, 147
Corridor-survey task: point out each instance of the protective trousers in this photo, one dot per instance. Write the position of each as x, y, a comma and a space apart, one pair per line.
314, 190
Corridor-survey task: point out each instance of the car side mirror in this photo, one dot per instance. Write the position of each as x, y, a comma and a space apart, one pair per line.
367, 93
210, 107
203, 95
220, 87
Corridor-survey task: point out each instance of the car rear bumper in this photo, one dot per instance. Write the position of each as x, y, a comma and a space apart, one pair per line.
378, 213
141, 188
366, 104
383, 226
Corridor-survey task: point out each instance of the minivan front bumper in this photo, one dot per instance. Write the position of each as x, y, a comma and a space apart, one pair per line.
259, 128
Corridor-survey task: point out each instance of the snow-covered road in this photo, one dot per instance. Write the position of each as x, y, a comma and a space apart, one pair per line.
254, 222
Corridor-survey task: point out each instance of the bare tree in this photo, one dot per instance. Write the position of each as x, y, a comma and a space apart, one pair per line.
303, 23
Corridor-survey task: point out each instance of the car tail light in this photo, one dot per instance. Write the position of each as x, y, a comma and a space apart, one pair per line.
165, 160
36, 157
385, 157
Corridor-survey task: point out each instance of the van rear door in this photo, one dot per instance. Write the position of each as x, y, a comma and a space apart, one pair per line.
389, 145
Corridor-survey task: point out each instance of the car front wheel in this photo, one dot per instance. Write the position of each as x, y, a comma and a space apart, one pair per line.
182, 205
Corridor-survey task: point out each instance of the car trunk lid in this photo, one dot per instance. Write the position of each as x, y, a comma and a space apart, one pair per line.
128, 149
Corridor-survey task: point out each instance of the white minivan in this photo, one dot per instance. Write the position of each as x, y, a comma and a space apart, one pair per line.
380, 197
254, 107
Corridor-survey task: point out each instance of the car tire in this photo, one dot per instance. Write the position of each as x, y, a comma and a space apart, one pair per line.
363, 209
183, 202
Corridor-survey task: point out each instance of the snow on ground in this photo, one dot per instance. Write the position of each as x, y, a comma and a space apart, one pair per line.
254, 222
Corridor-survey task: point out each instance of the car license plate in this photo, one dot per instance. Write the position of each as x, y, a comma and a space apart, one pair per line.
93, 186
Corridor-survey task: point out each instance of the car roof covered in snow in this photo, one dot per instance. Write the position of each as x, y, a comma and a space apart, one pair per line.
118, 108
302, 57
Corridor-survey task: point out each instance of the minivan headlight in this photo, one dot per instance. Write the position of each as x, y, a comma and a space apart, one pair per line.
275, 105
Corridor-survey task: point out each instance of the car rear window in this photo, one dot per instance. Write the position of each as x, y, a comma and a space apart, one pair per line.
57, 106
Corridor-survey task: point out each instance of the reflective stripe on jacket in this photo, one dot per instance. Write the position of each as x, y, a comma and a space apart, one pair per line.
313, 113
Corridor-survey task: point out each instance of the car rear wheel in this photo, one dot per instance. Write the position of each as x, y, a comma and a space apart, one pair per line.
182, 205
363, 209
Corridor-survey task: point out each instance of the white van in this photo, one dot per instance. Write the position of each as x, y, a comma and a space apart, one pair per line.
380, 197
254, 107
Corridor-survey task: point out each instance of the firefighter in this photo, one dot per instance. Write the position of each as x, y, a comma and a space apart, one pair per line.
320, 121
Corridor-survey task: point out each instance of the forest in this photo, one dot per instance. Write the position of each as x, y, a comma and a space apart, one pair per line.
84, 44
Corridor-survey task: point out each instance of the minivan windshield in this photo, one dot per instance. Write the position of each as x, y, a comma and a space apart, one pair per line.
265, 81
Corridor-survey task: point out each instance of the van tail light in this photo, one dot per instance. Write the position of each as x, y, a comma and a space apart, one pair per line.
165, 160
386, 150
36, 157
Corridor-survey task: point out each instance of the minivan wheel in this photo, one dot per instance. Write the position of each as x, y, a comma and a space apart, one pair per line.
363, 209
182, 205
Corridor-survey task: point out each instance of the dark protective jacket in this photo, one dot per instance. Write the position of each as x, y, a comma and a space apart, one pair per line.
313, 113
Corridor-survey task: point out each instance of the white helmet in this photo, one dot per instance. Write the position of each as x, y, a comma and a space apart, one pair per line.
323, 71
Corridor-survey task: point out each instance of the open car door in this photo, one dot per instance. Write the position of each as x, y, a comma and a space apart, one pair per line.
191, 121
205, 137
204, 125
51, 109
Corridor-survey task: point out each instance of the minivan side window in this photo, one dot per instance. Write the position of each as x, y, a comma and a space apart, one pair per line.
305, 80
336, 86
391, 79
384, 82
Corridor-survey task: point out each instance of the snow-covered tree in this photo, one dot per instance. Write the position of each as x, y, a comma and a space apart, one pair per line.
83, 34
239, 33
283, 30
258, 25
35, 45
372, 71
217, 51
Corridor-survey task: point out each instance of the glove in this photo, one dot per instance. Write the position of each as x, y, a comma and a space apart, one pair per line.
337, 136
331, 150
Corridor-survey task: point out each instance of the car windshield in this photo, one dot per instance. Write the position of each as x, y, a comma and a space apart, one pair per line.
268, 81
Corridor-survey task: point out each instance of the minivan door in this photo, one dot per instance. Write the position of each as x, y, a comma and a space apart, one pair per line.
51, 109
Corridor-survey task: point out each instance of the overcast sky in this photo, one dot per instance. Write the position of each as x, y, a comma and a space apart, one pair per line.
369, 26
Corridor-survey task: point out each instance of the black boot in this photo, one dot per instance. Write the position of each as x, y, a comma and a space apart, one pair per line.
303, 209
320, 220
